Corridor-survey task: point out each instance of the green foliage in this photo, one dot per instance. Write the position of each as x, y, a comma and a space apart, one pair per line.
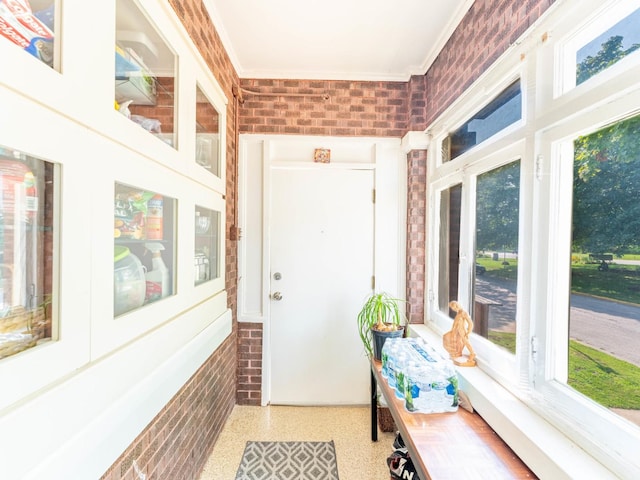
498, 200
606, 186
610, 52
378, 309
606, 213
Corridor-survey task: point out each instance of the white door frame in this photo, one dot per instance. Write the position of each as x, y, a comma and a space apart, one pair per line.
257, 155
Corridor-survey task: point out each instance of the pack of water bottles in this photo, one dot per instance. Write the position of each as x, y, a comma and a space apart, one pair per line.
424, 378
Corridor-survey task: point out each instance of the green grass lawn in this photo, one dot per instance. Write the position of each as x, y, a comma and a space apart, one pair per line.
607, 380
619, 282
498, 269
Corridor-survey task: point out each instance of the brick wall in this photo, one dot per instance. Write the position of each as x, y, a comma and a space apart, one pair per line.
299, 107
417, 103
178, 441
249, 389
416, 234
163, 109
485, 33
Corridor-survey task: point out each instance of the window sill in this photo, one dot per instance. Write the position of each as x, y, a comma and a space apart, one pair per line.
545, 449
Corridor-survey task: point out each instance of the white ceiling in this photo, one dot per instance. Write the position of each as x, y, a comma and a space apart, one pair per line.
335, 39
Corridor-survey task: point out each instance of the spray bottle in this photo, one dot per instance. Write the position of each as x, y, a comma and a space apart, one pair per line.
158, 277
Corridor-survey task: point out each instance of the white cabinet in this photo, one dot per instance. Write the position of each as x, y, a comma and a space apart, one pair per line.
123, 365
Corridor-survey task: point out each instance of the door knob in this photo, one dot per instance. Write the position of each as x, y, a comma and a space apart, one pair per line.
276, 296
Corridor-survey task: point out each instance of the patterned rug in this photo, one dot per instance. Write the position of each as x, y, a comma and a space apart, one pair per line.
288, 461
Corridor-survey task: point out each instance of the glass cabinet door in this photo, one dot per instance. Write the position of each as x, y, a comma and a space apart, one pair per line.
145, 73
26, 251
30, 24
207, 134
207, 245
144, 248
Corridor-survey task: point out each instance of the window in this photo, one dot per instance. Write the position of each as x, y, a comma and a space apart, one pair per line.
607, 49
26, 250
449, 246
501, 112
496, 267
537, 233
603, 359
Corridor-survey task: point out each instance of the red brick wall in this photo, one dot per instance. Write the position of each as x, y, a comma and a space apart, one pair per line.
163, 110
416, 234
485, 33
417, 103
249, 389
178, 441
368, 109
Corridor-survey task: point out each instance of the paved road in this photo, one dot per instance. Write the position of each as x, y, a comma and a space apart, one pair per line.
609, 326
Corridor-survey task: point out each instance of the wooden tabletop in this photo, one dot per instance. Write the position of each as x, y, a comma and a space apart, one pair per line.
449, 446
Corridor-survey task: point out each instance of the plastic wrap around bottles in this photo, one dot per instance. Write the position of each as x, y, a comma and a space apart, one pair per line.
425, 379
129, 285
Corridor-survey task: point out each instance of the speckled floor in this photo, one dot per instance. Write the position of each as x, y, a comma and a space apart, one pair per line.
349, 427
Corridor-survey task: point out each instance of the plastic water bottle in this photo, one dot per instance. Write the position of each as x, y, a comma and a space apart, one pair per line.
388, 352
420, 388
412, 387
438, 394
396, 372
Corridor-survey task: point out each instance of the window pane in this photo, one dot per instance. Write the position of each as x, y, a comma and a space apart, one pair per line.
604, 321
145, 73
496, 269
504, 110
31, 26
26, 251
144, 248
450, 202
607, 49
207, 134
207, 245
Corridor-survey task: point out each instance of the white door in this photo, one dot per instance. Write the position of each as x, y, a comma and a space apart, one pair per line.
321, 257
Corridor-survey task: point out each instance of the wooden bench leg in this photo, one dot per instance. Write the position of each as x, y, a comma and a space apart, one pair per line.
374, 409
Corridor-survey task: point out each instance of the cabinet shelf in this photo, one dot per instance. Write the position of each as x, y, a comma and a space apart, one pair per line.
133, 80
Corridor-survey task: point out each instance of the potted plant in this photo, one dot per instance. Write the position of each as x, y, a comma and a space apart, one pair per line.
380, 318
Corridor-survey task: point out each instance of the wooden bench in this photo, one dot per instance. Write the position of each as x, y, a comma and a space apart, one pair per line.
447, 446
481, 315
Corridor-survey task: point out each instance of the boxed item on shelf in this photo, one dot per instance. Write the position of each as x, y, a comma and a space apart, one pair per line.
22, 27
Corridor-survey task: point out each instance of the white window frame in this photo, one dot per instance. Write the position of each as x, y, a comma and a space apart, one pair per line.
555, 112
